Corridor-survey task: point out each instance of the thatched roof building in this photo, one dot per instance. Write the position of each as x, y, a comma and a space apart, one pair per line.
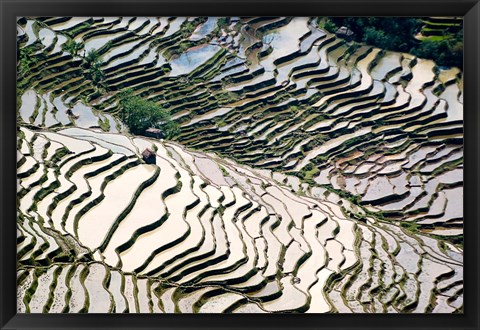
148, 156
344, 32
154, 132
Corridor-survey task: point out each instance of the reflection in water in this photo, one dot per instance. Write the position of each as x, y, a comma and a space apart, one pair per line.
192, 59
204, 29
46, 36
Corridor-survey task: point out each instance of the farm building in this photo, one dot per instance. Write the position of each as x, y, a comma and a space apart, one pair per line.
154, 132
345, 33
148, 156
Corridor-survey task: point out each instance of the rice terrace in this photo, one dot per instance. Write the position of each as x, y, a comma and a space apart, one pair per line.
239, 165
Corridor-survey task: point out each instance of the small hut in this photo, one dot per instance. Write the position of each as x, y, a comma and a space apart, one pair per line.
345, 33
149, 156
154, 132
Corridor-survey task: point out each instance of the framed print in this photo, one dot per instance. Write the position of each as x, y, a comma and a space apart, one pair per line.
251, 165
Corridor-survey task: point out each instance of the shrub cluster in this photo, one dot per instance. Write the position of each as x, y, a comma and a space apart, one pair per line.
398, 34
139, 115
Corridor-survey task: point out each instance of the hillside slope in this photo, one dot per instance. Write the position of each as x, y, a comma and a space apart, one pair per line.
194, 232
310, 174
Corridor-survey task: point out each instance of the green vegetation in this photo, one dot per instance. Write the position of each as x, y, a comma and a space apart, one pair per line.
72, 32
456, 240
364, 154
223, 22
189, 26
328, 25
224, 171
178, 49
72, 47
398, 34
104, 124
445, 50
139, 115
220, 122
447, 166
93, 63
25, 60
309, 172
411, 226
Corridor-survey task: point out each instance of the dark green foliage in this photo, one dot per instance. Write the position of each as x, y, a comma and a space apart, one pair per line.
223, 21
412, 226
447, 51
456, 240
178, 49
189, 26
330, 26
25, 60
74, 31
394, 33
93, 57
398, 34
104, 124
72, 47
93, 71
139, 115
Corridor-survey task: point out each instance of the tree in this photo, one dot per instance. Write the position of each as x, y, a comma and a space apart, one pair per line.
398, 34
376, 37
93, 63
139, 115
72, 47
93, 57
330, 26
447, 51
25, 60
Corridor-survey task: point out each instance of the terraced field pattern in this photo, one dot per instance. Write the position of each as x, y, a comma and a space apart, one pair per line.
310, 174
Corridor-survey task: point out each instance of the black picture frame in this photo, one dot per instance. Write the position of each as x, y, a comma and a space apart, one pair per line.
10, 9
